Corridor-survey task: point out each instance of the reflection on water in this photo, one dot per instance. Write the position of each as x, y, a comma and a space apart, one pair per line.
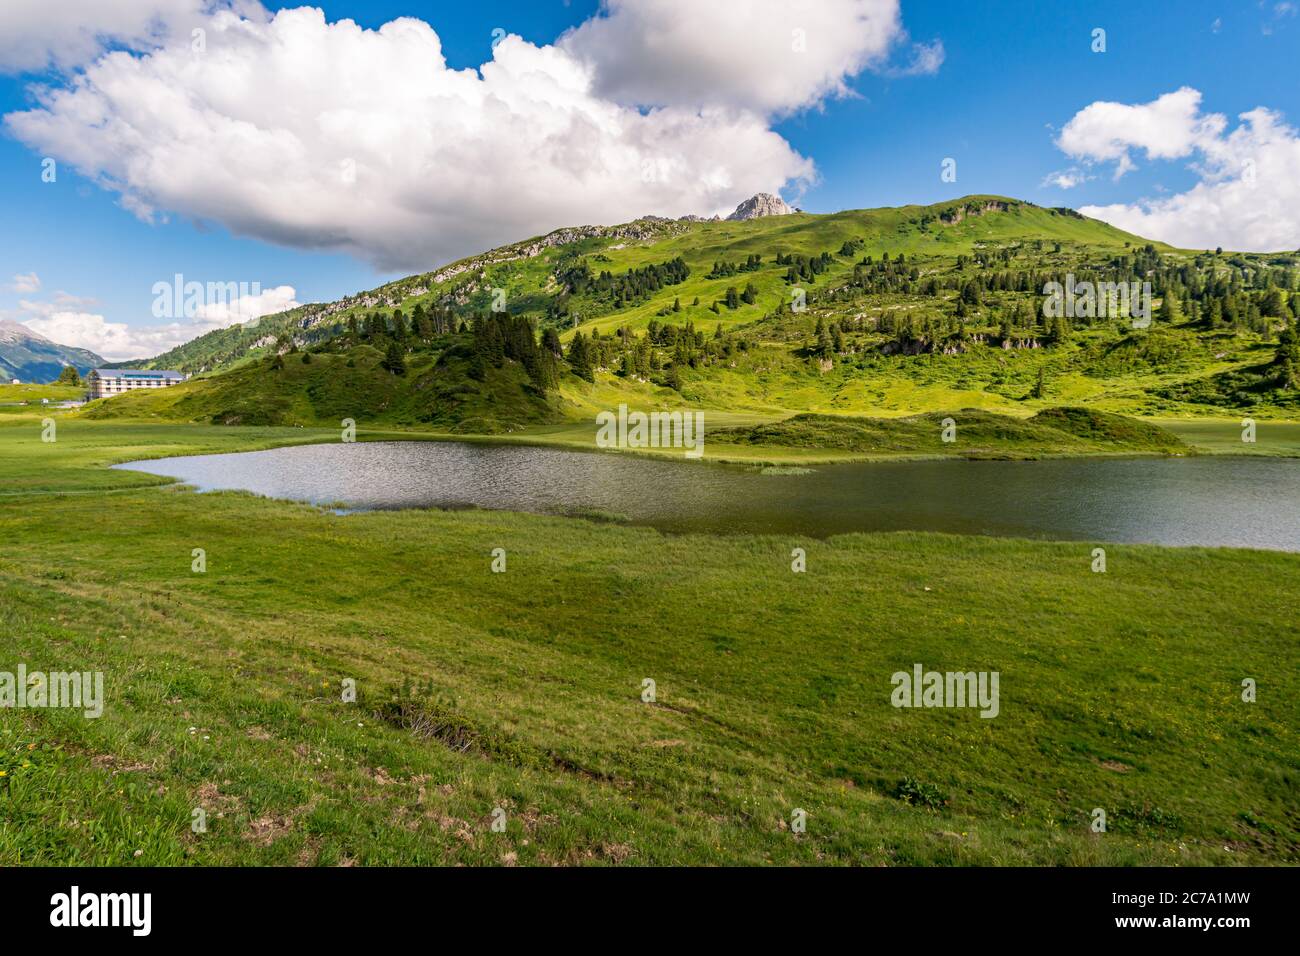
1246, 502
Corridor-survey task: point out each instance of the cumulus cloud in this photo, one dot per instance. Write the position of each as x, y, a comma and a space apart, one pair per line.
1247, 196
68, 320
26, 283
319, 135
85, 330
773, 56
61, 302
1169, 127
246, 308
34, 36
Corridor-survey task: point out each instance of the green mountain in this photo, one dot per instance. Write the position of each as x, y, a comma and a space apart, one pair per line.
871, 313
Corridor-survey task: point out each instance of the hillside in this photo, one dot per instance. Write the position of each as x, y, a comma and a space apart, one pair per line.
526, 270
865, 312
322, 388
31, 357
1063, 431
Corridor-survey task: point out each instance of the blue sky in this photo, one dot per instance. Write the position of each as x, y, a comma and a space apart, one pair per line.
1013, 74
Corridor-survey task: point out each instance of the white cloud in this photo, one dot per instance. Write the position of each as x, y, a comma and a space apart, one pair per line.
1067, 178
771, 56
1248, 193
68, 321
926, 59
1169, 127
26, 283
112, 340
245, 308
62, 302
34, 36
328, 136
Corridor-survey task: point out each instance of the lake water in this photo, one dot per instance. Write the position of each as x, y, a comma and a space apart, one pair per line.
1246, 502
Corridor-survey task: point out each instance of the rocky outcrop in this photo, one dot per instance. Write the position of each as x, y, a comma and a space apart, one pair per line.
472, 269
764, 204
956, 215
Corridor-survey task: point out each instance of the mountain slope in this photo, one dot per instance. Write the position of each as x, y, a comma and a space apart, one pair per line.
526, 271
870, 313
436, 390
31, 357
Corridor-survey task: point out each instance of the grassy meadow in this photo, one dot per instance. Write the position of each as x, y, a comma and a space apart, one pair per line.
518, 695
499, 716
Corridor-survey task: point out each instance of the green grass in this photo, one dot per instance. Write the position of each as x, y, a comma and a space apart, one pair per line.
975, 434
521, 690
1224, 437
763, 367
527, 279
435, 391
11, 396
1118, 690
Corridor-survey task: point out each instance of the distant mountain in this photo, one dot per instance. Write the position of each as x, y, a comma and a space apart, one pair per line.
764, 204
31, 357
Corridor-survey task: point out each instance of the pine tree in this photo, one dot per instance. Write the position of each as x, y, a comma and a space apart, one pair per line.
580, 358
422, 323
394, 359
1288, 357
1169, 311
823, 339
551, 342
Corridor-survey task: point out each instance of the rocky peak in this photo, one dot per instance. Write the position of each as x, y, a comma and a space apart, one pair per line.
764, 204
14, 332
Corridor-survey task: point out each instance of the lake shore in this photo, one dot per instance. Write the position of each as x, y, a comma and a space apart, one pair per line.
1216, 436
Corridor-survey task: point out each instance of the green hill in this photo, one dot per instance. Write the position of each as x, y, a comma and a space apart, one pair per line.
324, 388
976, 434
871, 313
526, 270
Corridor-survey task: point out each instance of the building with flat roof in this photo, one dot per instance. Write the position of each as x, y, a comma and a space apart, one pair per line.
106, 382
